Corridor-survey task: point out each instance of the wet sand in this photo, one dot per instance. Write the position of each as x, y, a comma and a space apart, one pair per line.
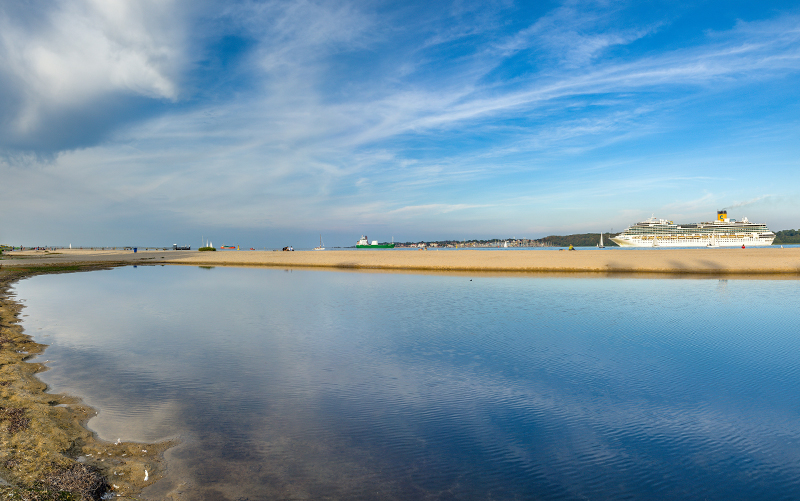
755, 261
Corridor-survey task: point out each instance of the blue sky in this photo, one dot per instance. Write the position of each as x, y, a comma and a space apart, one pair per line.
151, 122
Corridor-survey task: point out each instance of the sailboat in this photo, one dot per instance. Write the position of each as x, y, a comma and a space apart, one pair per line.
600, 245
320, 244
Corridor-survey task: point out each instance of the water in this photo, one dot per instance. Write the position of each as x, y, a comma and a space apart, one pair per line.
329, 385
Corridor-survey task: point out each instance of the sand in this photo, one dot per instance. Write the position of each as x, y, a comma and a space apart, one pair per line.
735, 261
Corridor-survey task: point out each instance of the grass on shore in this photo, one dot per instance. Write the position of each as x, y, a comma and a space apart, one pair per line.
17, 494
45, 270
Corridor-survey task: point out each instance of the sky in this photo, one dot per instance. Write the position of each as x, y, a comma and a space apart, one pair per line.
266, 124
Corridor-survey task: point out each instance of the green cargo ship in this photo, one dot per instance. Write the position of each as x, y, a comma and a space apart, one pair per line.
363, 243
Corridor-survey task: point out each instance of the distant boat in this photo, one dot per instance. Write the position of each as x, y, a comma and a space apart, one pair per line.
228, 247
600, 245
363, 243
320, 244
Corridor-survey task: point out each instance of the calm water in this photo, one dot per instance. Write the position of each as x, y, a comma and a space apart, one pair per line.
328, 385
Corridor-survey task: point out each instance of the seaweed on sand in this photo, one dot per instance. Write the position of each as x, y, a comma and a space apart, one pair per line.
15, 417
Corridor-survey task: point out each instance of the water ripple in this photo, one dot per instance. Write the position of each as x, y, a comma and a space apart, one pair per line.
371, 386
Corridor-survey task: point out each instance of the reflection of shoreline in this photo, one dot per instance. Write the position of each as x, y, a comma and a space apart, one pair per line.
763, 262
66, 457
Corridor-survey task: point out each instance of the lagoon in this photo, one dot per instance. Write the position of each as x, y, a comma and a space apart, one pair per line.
311, 384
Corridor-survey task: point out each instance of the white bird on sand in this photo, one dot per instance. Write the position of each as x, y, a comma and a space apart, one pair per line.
145, 475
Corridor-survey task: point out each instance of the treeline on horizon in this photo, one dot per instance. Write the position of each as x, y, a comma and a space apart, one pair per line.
578, 240
787, 237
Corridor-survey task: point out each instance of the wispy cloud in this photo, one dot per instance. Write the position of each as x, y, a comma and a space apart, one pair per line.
749, 202
432, 209
683, 207
575, 34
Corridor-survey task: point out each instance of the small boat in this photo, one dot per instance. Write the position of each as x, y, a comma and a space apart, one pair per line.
600, 245
228, 247
320, 244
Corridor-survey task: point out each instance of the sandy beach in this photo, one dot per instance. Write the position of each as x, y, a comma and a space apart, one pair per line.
734, 261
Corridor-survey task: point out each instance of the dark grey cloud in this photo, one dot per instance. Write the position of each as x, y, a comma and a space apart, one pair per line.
72, 72
72, 127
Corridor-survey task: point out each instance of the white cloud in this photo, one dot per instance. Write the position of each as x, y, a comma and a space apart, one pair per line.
77, 51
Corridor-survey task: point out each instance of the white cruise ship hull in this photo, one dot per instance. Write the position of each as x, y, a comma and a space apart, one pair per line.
691, 242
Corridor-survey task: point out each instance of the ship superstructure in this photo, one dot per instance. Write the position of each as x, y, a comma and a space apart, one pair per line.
722, 232
364, 243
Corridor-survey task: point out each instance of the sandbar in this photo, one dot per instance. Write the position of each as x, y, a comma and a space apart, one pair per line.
734, 261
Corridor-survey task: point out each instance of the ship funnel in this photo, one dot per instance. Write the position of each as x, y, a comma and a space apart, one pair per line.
722, 215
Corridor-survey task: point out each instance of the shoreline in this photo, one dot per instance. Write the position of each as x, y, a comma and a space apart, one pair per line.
767, 261
47, 451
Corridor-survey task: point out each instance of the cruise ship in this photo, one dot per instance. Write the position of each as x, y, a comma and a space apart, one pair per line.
723, 232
